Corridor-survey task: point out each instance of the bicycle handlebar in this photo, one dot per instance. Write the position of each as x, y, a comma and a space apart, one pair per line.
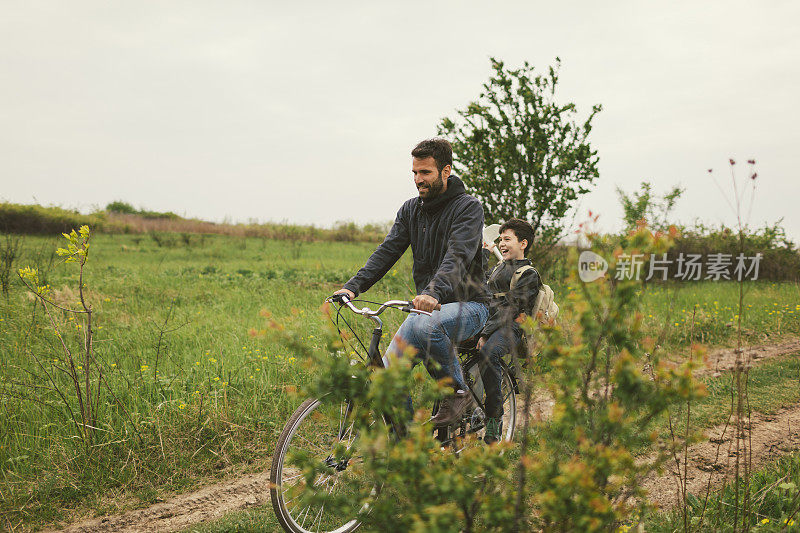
407, 306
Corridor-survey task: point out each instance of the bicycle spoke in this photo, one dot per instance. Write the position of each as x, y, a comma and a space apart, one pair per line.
327, 436
305, 516
283, 482
319, 516
312, 444
323, 480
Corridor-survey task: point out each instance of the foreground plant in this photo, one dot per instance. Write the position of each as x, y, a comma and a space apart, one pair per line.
579, 471
587, 462
81, 397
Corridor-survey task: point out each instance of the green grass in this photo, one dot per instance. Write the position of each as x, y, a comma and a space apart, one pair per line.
770, 309
255, 520
208, 400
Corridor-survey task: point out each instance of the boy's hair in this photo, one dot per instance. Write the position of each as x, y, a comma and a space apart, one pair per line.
439, 149
521, 229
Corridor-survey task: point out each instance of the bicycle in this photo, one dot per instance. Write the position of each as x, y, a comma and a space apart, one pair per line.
322, 436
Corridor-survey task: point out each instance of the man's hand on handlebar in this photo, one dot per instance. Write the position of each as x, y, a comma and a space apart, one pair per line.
346, 292
423, 302
481, 342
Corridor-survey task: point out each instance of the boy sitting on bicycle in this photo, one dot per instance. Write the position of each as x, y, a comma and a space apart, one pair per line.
515, 285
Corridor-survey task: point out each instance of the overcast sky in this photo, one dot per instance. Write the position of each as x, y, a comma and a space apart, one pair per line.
307, 111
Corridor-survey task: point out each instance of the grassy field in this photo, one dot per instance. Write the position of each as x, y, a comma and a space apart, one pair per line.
197, 397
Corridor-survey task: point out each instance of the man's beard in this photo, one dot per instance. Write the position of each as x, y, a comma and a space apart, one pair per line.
435, 188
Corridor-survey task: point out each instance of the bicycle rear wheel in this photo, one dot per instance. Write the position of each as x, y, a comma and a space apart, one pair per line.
507, 391
315, 480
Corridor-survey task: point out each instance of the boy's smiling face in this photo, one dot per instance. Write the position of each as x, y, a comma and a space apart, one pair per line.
510, 247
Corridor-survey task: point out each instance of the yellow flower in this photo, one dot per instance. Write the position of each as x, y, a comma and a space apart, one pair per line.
216, 379
182, 406
765, 521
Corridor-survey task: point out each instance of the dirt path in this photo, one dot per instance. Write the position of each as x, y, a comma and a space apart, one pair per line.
712, 461
723, 360
717, 362
771, 435
179, 512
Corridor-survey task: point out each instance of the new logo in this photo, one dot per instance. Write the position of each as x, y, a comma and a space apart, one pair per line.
591, 266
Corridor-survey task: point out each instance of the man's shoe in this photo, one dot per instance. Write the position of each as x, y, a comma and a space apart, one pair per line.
451, 408
494, 430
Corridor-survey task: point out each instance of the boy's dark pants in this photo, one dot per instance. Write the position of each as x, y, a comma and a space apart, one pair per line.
502, 342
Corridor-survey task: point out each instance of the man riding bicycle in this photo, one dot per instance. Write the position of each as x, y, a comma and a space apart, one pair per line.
444, 227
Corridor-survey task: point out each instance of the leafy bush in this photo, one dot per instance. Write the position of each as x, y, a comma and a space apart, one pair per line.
647, 206
121, 207
36, 219
121, 217
781, 260
575, 472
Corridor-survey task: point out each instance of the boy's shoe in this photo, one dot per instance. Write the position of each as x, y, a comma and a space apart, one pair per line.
494, 430
451, 408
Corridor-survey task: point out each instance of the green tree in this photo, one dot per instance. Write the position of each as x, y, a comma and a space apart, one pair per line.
119, 206
648, 207
522, 153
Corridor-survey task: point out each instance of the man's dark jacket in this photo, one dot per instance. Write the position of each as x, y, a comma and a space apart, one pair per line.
445, 234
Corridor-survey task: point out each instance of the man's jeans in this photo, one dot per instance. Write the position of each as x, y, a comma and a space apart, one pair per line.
435, 338
502, 342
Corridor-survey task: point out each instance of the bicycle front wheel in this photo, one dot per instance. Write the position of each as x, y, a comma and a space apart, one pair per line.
316, 483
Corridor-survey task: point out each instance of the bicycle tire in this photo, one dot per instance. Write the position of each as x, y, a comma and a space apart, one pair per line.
315, 430
508, 391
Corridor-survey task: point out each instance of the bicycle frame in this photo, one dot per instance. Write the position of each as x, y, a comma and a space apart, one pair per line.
374, 357
469, 355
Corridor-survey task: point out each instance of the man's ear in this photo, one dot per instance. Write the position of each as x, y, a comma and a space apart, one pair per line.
446, 172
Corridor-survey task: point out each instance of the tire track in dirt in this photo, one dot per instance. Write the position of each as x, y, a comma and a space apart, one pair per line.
712, 461
208, 503
723, 360
717, 362
772, 435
